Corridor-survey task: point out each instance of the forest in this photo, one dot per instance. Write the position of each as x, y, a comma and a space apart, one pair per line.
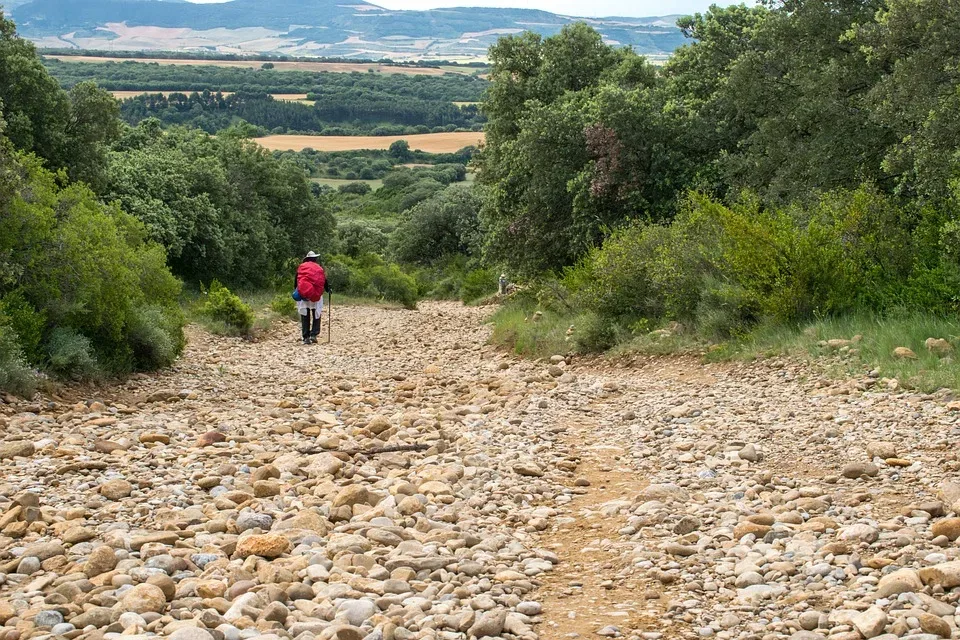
150, 76
346, 113
213, 98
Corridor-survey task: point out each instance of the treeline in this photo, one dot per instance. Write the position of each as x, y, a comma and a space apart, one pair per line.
344, 113
99, 222
369, 164
219, 55
795, 160
147, 76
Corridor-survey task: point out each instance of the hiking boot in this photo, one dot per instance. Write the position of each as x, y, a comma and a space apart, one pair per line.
306, 341
313, 340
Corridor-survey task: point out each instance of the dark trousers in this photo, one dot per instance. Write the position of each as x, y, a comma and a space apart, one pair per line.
306, 329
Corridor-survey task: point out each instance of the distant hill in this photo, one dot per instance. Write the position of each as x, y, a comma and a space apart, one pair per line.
310, 27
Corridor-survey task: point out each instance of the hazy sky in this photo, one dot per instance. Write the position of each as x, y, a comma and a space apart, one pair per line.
632, 8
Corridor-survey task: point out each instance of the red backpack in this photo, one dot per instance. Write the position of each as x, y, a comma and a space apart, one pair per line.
311, 281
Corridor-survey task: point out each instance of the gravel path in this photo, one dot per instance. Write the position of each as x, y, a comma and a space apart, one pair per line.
246, 493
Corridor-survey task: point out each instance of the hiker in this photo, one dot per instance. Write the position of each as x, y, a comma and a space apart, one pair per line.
309, 286
502, 284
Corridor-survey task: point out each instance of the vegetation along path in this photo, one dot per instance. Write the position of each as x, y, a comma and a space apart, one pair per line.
409, 481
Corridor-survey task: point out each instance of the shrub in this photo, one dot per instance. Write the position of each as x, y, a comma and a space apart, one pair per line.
71, 355
595, 334
445, 224
358, 238
15, 376
26, 323
394, 285
283, 304
84, 277
358, 188
224, 306
339, 273
156, 336
478, 284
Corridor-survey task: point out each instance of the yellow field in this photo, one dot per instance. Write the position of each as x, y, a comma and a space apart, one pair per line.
278, 65
429, 142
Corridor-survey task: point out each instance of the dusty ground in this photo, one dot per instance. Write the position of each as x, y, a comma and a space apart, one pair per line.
548, 499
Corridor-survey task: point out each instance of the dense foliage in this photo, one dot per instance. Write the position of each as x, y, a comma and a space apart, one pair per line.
95, 214
222, 206
368, 164
68, 130
82, 290
345, 113
795, 160
145, 76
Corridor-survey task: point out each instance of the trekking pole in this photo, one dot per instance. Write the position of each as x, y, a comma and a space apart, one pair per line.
329, 316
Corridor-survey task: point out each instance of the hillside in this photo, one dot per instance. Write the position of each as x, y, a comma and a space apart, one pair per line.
321, 27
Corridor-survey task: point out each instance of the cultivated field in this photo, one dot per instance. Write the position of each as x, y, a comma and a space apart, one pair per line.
429, 142
279, 65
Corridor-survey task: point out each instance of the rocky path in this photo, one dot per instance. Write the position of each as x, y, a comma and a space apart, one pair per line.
246, 493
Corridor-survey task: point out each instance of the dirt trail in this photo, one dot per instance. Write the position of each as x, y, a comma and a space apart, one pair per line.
571, 499
589, 591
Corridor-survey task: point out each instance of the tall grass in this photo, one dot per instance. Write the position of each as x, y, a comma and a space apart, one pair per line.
517, 327
880, 336
877, 336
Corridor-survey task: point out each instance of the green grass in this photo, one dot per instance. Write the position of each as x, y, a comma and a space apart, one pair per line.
514, 327
872, 351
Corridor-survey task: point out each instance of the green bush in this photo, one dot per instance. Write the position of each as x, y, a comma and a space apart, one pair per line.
71, 355
15, 375
283, 304
444, 225
358, 188
155, 335
726, 268
394, 285
358, 238
78, 278
595, 334
26, 323
478, 284
224, 306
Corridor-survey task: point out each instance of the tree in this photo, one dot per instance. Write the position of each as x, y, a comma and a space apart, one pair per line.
400, 149
36, 109
68, 131
915, 45
802, 87
443, 225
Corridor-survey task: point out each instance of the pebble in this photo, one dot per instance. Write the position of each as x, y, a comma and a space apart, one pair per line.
741, 501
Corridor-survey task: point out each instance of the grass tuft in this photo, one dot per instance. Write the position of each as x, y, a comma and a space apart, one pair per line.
876, 338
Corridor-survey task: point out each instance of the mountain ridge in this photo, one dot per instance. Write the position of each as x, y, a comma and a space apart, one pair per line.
351, 29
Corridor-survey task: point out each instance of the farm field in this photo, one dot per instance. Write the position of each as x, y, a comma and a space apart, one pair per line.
429, 142
278, 65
